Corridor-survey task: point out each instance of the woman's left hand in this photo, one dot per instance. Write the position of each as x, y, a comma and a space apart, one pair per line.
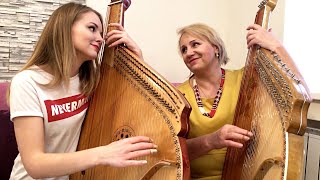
260, 36
120, 36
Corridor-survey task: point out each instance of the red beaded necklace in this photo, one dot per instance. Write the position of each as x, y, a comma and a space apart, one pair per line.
216, 99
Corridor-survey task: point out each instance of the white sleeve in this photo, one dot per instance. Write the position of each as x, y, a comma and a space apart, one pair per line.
24, 100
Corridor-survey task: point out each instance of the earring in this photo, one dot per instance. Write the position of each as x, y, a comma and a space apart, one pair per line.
217, 55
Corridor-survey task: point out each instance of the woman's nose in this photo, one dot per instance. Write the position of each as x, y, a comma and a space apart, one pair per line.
189, 52
99, 39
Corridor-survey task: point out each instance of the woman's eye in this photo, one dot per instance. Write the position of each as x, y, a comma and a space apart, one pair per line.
195, 44
183, 50
92, 28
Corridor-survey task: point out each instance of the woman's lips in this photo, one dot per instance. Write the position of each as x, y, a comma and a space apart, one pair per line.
192, 60
96, 47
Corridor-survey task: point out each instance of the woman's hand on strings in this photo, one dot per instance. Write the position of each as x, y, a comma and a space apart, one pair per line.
230, 136
227, 136
260, 36
119, 36
124, 152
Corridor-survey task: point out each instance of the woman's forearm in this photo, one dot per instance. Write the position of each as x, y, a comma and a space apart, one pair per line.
198, 146
43, 165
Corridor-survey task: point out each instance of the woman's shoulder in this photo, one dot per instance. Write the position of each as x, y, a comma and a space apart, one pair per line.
24, 75
183, 86
235, 74
235, 71
32, 74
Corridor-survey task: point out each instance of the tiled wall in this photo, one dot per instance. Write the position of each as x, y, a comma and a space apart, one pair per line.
21, 22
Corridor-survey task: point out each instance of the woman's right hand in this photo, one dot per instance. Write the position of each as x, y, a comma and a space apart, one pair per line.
229, 136
260, 36
124, 152
120, 36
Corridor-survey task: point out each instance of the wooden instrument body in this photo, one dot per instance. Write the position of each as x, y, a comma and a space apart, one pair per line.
132, 99
273, 104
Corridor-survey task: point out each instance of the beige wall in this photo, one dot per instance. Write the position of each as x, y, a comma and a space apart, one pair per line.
153, 25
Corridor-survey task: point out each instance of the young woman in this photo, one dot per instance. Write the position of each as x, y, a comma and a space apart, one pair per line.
50, 95
213, 93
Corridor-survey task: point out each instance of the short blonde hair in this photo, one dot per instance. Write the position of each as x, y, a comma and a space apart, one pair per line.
207, 33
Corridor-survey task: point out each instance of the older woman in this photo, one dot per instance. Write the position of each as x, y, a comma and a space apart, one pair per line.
213, 92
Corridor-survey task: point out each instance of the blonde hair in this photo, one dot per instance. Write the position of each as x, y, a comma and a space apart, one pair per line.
207, 33
55, 48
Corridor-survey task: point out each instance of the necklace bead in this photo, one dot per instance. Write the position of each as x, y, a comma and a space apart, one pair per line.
216, 99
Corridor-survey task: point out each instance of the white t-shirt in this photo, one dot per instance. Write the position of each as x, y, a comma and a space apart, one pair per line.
63, 111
